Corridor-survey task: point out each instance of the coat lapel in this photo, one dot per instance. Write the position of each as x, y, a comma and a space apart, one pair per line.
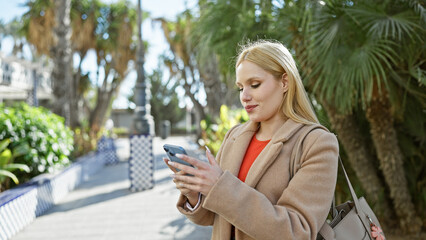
270, 152
238, 146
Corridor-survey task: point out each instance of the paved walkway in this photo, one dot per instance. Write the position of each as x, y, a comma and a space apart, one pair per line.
103, 207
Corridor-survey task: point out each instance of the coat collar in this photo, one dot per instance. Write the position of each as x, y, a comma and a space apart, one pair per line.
241, 141
285, 132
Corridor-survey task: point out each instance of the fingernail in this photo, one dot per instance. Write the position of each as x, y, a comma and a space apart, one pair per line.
171, 163
173, 176
208, 149
179, 155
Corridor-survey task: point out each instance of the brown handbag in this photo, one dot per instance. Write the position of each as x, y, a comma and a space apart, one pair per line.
350, 220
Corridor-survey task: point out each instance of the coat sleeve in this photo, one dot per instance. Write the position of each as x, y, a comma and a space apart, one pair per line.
202, 216
301, 209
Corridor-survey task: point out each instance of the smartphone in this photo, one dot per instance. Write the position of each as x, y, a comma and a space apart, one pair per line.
172, 150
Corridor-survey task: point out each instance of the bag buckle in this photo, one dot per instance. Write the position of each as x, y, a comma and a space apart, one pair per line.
370, 220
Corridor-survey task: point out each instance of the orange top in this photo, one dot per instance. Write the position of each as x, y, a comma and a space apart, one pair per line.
252, 152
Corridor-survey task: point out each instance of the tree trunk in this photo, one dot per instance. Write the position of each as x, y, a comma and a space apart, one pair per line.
74, 97
100, 100
106, 107
74, 120
95, 113
361, 161
62, 54
103, 102
199, 109
391, 161
213, 86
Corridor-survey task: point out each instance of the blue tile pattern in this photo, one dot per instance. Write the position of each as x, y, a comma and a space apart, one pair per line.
141, 163
107, 146
21, 205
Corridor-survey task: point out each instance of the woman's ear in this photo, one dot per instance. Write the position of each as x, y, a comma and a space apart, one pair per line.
284, 81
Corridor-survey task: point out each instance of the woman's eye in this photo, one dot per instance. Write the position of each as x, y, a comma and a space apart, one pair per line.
255, 85
239, 89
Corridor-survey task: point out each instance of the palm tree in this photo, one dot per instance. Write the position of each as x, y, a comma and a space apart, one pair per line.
295, 21
106, 28
39, 22
182, 65
83, 20
115, 51
353, 68
63, 64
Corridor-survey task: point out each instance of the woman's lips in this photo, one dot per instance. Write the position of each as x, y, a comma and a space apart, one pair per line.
250, 108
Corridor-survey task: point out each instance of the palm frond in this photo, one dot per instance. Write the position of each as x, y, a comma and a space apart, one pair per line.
348, 75
381, 23
417, 6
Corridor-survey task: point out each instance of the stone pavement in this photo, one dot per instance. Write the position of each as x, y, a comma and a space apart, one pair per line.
103, 208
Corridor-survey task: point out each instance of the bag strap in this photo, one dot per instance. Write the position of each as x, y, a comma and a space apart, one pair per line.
295, 162
326, 230
358, 210
296, 155
295, 165
351, 189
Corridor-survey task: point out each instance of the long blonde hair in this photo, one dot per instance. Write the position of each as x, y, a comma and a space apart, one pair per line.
274, 58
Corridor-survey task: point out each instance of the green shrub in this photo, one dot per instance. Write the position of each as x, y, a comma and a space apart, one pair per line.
7, 166
50, 141
84, 141
214, 133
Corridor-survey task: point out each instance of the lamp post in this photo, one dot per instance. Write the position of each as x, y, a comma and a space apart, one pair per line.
141, 162
143, 122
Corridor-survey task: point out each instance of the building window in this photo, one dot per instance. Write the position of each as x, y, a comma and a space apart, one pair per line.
6, 74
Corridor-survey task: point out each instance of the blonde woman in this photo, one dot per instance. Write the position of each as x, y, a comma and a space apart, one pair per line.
246, 191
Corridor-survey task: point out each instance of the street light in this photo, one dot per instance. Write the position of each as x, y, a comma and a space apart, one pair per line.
143, 122
141, 162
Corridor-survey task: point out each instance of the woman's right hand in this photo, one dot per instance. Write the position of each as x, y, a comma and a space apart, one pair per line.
191, 195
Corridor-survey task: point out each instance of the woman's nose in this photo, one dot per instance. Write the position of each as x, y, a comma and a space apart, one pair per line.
245, 96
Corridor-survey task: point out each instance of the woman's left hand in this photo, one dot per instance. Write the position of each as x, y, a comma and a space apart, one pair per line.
204, 175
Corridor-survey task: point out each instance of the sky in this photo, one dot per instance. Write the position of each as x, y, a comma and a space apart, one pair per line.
152, 33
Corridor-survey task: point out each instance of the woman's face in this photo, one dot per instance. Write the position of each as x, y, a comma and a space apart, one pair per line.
261, 93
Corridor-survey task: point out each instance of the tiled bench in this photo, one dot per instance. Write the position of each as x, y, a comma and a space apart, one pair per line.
21, 205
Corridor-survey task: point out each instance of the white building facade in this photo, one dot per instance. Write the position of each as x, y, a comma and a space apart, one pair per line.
22, 80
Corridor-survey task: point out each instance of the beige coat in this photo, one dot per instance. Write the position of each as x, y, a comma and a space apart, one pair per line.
268, 205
